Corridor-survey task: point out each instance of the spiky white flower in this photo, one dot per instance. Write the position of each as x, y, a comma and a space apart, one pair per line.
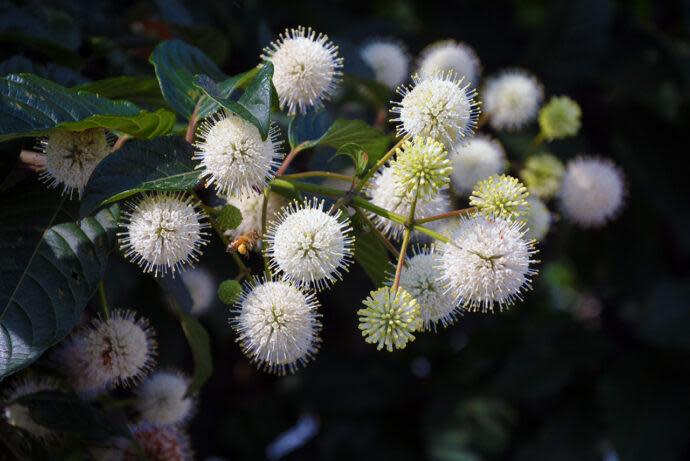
487, 262
163, 231
446, 55
384, 192
121, 347
233, 157
390, 318
277, 324
201, 285
310, 246
479, 158
87, 379
251, 207
592, 191
419, 277
158, 443
440, 106
71, 157
538, 219
162, 398
512, 99
307, 68
421, 165
500, 196
17, 415
388, 59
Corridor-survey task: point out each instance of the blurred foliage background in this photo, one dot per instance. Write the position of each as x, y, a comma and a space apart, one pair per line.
592, 366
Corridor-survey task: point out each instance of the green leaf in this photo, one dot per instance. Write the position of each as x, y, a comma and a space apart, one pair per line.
373, 141
176, 63
67, 413
358, 156
163, 164
308, 127
370, 252
48, 271
225, 89
200, 343
32, 106
140, 90
255, 103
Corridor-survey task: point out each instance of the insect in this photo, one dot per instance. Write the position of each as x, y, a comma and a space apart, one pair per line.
244, 243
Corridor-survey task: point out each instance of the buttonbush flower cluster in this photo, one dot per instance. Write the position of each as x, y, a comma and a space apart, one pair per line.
457, 213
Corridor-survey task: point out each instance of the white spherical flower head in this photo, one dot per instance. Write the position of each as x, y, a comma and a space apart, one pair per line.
87, 379
592, 191
390, 318
310, 246
121, 347
202, 287
538, 219
420, 278
389, 61
161, 398
157, 443
251, 207
385, 193
17, 415
71, 157
233, 157
512, 99
487, 262
440, 106
307, 68
163, 232
475, 160
277, 325
421, 165
448, 55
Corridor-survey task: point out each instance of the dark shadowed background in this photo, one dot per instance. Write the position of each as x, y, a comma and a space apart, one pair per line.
592, 366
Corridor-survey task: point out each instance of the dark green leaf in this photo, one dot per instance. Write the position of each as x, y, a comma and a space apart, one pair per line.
67, 413
308, 127
48, 271
176, 63
200, 343
140, 90
255, 103
370, 252
163, 164
343, 132
32, 106
358, 156
225, 90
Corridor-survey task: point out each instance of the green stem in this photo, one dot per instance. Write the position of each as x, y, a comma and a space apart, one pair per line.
538, 140
450, 214
406, 239
318, 174
289, 187
264, 246
103, 300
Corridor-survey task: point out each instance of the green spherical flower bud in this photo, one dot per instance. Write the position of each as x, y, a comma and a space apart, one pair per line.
500, 197
390, 318
228, 291
421, 164
229, 218
542, 175
560, 118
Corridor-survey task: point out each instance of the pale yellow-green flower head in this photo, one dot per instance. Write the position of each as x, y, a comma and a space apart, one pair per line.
542, 174
390, 318
560, 118
500, 197
421, 164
